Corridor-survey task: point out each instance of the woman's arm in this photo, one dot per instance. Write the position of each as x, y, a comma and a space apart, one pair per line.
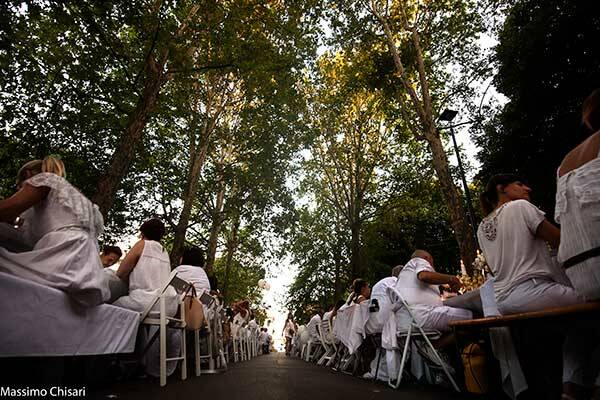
27, 197
549, 233
130, 261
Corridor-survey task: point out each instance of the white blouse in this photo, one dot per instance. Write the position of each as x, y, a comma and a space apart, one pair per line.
578, 210
513, 252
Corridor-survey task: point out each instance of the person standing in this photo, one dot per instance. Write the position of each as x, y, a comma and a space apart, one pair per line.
289, 330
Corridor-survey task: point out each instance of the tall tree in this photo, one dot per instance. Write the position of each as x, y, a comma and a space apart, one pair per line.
350, 146
424, 40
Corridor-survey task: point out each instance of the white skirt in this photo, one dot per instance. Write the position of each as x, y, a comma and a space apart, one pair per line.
67, 260
585, 278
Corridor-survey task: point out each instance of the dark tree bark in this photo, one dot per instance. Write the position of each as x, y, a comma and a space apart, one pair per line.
126, 148
231, 245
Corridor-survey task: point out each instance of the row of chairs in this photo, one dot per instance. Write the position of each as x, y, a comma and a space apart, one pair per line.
212, 332
245, 343
329, 351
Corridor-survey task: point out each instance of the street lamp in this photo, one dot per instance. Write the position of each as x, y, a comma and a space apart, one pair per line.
447, 116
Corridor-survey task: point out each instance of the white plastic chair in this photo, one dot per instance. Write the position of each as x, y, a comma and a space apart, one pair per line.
414, 331
313, 344
211, 314
328, 342
162, 320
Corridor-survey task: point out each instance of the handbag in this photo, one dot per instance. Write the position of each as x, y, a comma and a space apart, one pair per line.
194, 312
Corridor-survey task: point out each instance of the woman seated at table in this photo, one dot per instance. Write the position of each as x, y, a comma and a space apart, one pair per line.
360, 292
578, 212
62, 225
147, 268
513, 238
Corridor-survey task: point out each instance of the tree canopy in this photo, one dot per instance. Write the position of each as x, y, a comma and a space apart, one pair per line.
302, 130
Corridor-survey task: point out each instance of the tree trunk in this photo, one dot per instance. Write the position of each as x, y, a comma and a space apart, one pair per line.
337, 284
355, 259
424, 110
460, 224
231, 248
156, 75
188, 201
217, 221
191, 185
125, 151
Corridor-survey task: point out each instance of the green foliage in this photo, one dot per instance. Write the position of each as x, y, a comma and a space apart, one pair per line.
547, 62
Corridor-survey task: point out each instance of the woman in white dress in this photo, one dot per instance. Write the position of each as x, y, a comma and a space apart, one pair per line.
513, 238
578, 212
62, 225
146, 268
289, 330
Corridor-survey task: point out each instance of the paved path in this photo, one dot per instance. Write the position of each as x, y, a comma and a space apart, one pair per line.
271, 377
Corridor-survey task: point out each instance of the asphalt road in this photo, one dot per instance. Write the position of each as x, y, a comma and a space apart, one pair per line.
270, 377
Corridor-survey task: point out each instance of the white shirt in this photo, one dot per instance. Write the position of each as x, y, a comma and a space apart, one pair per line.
194, 275
578, 210
263, 337
417, 293
312, 326
511, 249
327, 315
289, 326
379, 290
379, 293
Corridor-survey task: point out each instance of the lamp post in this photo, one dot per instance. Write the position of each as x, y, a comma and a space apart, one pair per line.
447, 116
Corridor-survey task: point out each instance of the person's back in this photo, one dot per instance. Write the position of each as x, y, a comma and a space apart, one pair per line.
578, 212
380, 304
62, 226
507, 238
314, 322
417, 293
149, 275
194, 275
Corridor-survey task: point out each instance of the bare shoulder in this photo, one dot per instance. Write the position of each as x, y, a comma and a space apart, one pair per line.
138, 247
580, 155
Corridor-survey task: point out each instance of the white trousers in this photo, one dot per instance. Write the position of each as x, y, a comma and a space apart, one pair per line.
538, 294
439, 317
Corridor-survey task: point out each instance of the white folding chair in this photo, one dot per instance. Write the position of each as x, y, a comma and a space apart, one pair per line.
209, 302
414, 331
254, 341
162, 320
313, 344
327, 341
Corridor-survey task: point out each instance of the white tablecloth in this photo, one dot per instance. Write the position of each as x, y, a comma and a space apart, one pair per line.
349, 327
37, 320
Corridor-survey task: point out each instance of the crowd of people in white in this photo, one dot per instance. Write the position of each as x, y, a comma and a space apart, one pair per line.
61, 227
49, 236
534, 266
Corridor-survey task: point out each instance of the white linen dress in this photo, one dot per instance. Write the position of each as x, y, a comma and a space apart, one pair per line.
147, 278
578, 212
63, 230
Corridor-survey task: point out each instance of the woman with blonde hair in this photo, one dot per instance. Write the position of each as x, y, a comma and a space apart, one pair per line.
62, 226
